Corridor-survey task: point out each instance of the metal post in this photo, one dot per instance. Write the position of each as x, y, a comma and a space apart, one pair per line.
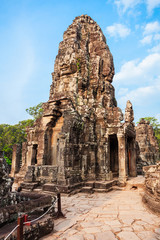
59, 213
20, 221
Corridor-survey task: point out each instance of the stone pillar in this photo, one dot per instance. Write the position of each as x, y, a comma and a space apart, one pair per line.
61, 180
29, 155
84, 167
40, 148
133, 168
24, 153
16, 158
92, 168
122, 156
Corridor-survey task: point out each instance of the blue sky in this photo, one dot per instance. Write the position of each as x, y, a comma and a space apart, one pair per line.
30, 32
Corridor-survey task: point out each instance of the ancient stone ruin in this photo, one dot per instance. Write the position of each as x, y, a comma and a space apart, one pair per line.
152, 187
13, 203
81, 136
5, 182
147, 145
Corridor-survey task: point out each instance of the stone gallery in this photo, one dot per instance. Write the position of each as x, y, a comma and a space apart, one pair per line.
82, 135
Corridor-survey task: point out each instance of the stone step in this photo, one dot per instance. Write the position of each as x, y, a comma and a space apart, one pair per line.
38, 189
50, 187
115, 174
87, 189
100, 184
105, 184
70, 188
117, 188
102, 190
90, 184
29, 185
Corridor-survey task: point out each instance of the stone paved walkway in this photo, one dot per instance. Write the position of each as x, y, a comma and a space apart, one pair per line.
106, 216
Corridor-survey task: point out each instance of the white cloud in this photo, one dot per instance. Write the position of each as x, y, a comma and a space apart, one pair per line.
151, 35
145, 100
122, 91
139, 82
140, 95
155, 49
157, 37
118, 30
146, 40
152, 27
135, 72
124, 5
151, 5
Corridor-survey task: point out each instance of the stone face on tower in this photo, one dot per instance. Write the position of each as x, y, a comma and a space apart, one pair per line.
84, 67
81, 135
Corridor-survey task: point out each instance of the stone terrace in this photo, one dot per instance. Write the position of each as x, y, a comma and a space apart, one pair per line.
119, 214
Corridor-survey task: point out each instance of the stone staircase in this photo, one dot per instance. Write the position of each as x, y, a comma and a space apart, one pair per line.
86, 187
99, 186
50, 187
30, 186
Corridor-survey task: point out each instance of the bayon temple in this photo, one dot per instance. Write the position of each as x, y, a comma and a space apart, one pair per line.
82, 136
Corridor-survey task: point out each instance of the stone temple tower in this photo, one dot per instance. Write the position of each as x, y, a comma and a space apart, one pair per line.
81, 136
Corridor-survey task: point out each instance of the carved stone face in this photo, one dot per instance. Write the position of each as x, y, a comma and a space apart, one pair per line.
67, 61
106, 68
68, 68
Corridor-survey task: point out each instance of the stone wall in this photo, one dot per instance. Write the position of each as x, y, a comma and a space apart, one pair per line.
5, 181
31, 202
36, 231
152, 187
147, 145
43, 174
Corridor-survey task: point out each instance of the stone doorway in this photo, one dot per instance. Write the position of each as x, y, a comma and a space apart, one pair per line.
34, 154
52, 142
114, 165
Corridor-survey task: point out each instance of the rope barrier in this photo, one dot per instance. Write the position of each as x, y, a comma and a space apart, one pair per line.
32, 220
11, 232
42, 214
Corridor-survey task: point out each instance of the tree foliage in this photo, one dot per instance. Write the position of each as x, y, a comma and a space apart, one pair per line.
156, 126
35, 111
11, 134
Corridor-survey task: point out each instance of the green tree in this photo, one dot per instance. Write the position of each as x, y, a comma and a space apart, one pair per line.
35, 111
153, 122
11, 134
